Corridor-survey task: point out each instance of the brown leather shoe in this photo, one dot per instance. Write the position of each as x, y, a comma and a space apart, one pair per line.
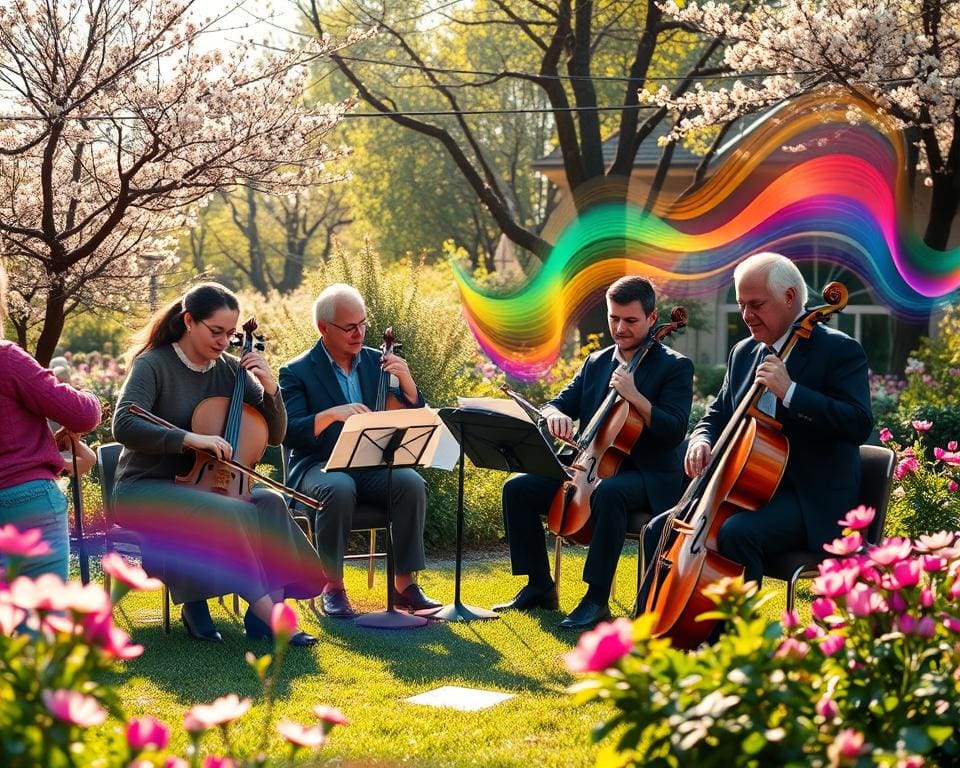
334, 603
412, 599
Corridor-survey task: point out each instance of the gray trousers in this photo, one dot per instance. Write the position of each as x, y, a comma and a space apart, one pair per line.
342, 491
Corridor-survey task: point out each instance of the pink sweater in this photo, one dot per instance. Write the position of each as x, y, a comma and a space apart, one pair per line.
29, 395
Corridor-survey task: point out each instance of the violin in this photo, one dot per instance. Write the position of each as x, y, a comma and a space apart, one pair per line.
745, 469
602, 447
241, 425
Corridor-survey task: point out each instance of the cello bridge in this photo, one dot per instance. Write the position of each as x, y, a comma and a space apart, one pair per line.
682, 527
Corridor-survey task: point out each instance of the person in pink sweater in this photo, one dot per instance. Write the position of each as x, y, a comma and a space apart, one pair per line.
29, 457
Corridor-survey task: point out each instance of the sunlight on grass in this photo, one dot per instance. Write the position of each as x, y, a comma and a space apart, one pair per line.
367, 674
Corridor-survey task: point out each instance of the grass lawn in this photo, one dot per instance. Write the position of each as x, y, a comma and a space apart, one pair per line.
368, 674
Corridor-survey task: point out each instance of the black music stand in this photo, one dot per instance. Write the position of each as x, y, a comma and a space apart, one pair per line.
379, 448
493, 441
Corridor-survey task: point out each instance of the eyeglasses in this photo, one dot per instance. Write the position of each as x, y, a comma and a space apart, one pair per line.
352, 328
218, 334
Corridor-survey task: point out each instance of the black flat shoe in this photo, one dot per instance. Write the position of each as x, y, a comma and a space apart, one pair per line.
586, 615
531, 597
413, 599
335, 604
257, 629
199, 627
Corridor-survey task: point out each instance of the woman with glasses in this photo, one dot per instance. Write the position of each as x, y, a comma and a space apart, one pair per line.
202, 544
322, 388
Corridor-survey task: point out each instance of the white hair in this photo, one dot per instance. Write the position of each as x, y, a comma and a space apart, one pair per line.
781, 273
325, 307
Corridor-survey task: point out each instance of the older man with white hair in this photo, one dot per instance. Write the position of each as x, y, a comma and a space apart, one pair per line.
821, 396
321, 389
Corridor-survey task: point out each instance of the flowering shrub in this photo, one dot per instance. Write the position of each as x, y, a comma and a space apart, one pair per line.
925, 496
57, 640
871, 680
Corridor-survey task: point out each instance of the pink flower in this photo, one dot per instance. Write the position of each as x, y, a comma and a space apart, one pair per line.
792, 648
175, 762
812, 632
283, 621
97, 626
789, 619
926, 597
823, 607
845, 545
907, 624
847, 745
86, 598
862, 600
45, 593
827, 708
213, 761
301, 735
905, 467
911, 761
223, 710
858, 518
950, 622
952, 445
835, 584
926, 627
891, 551
885, 435
831, 644
22, 543
933, 563
921, 426
10, 618
133, 576
74, 707
905, 574
897, 603
930, 542
952, 486
602, 647
330, 716
143, 732
947, 457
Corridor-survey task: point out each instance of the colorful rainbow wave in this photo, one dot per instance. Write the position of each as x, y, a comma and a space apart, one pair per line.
845, 198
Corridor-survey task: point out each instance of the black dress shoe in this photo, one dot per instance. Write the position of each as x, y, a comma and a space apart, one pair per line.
413, 599
334, 603
586, 615
531, 597
199, 625
257, 629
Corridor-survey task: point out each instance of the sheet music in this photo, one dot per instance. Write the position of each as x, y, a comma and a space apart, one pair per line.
442, 449
495, 405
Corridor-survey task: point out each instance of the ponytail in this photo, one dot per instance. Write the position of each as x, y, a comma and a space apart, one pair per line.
168, 326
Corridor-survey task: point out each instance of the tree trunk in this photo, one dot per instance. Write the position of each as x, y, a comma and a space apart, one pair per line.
944, 204
53, 319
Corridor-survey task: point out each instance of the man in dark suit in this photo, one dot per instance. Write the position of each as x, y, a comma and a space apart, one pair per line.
321, 389
661, 391
821, 396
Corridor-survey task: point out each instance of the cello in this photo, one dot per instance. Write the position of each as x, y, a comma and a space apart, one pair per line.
745, 469
241, 425
603, 445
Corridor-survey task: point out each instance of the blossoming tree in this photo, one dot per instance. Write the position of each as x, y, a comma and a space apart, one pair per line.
904, 55
118, 117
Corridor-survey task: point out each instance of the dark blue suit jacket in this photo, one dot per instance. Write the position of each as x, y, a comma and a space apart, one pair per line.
828, 418
665, 378
309, 385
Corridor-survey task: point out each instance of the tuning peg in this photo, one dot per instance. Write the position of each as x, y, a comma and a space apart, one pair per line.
259, 346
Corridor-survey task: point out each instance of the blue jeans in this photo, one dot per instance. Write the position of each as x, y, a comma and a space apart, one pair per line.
39, 504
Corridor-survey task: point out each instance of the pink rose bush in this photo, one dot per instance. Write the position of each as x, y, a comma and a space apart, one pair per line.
870, 680
58, 643
925, 494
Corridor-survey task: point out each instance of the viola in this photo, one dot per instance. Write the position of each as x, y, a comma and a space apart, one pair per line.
240, 424
602, 447
745, 469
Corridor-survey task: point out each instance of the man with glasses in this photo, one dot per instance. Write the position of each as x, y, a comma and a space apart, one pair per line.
321, 389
